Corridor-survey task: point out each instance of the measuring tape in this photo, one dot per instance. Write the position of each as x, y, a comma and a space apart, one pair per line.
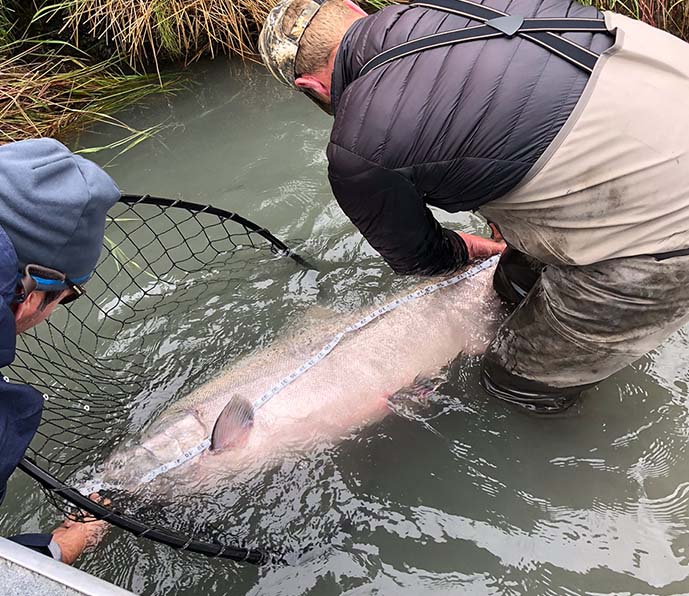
311, 362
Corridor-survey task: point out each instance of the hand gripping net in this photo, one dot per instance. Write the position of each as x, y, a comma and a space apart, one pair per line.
98, 360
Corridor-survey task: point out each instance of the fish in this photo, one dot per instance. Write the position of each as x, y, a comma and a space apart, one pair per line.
349, 388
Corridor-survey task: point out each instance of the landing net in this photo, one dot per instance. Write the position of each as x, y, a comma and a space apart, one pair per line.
168, 268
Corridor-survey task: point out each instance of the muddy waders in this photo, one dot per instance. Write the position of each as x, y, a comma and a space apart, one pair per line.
576, 325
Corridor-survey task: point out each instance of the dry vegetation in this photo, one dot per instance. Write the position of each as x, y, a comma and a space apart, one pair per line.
50, 88
51, 95
146, 32
670, 15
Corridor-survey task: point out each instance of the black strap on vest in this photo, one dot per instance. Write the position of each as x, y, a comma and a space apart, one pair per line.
543, 31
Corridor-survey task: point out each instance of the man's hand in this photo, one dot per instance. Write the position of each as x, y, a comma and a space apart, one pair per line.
74, 537
480, 247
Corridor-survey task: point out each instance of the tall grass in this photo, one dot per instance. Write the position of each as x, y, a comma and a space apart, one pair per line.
147, 31
50, 88
5, 25
670, 15
52, 95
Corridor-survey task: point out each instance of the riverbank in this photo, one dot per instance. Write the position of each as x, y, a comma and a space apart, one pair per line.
51, 87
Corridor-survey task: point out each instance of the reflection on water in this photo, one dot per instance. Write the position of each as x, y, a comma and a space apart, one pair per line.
470, 496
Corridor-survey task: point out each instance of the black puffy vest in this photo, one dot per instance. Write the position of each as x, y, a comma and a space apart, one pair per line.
452, 127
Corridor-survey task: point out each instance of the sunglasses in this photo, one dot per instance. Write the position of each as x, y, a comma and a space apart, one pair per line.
37, 277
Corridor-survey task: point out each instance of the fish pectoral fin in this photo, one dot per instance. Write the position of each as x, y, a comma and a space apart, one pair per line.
233, 425
411, 401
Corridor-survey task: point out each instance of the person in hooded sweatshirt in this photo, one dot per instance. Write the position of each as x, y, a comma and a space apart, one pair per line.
53, 206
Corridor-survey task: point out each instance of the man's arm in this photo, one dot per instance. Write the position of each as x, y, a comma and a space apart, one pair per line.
480, 247
70, 539
387, 209
20, 414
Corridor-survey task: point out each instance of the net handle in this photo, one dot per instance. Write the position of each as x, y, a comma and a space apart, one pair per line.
138, 528
278, 246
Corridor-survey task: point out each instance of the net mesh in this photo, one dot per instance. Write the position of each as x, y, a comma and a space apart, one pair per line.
110, 360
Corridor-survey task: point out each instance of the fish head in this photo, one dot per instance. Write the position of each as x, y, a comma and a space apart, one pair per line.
168, 440
125, 468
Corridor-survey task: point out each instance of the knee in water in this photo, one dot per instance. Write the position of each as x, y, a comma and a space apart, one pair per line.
532, 396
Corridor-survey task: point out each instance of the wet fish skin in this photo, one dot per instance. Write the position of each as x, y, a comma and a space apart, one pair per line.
343, 392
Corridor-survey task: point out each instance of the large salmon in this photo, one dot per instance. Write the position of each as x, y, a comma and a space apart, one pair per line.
348, 388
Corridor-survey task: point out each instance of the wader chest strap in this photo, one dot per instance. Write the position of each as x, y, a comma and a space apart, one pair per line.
543, 31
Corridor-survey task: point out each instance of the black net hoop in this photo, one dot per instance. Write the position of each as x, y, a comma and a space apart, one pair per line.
160, 256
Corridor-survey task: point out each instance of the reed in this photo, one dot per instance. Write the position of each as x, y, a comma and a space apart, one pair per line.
43, 93
48, 87
5, 25
181, 30
670, 15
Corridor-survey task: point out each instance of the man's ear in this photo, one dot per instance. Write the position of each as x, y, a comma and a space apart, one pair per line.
32, 311
313, 83
29, 306
356, 8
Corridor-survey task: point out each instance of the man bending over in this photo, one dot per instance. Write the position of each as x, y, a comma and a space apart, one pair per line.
565, 128
52, 220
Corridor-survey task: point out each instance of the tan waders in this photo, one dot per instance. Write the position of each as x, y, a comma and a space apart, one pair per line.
610, 192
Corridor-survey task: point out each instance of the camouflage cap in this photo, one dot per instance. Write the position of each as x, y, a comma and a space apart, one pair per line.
278, 49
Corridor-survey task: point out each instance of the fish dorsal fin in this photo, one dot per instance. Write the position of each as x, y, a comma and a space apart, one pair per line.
233, 425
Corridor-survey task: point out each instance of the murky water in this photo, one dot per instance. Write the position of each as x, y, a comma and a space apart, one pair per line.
475, 498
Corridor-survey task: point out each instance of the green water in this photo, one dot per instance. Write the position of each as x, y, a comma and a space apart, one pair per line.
473, 499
